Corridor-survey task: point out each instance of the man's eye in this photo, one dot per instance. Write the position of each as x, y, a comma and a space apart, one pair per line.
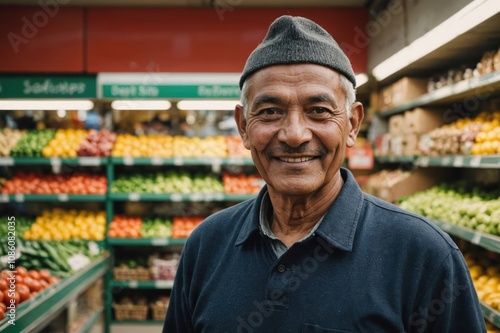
270, 111
320, 110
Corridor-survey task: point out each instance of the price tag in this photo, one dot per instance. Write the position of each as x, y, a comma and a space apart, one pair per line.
178, 160
4, 198
236, 161
6, 161
476, 239
445, 160
216, 165
423, 161
156, 161
196, 197
219, 196
491, 316
458, 162
127, 160
208, 197
89, 161
159, 241
163, 284
63, 197
134, 197
133, 284
176, 197
55, 162
475, 161
19, 197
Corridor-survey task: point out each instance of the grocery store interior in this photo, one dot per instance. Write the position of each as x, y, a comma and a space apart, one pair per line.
117, 139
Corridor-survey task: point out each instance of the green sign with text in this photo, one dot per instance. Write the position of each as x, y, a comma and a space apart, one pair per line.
48, 87
170, 91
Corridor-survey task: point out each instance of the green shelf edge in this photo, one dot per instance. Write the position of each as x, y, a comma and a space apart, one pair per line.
137, 322
146, 241
33, 313
446, 93
82, 160
487, 241
142, 284
179, 197
490, 314
210, 161
455, 161
63, 197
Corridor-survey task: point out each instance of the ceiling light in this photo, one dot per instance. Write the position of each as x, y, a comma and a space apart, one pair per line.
206, 105
361, 79
137, 104
61, 113
465, 19
53, 105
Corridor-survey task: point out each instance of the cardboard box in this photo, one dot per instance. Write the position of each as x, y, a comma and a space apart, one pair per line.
421, 121
407, 89
419, 180
410, 144
396, 124
396, 146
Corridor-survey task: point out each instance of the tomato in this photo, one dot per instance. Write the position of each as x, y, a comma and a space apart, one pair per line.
34, 274
19, 279
21, 271
1, 297
24, 292
43, 283
45, 275
35, 285
3, 284
2, 305
11, 295
2, 313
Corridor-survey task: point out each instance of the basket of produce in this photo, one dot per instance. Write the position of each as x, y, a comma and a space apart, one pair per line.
127, 309
159, 308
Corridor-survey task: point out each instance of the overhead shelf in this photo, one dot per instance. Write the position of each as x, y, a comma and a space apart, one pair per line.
486, 85
487, 241
178, 160
19, 197
35, 314
146, 241
180, 197
456, 161
134, 284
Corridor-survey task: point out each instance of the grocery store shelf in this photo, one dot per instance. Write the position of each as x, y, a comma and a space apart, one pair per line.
35, 314
178, 160
460, 161
395, 159
179, 197
83, 161
482, 239
492, 315
146, 241
477, 87
63, 197
137, 322
93, 319
134, 284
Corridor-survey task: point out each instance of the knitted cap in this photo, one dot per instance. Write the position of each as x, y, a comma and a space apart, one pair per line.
296, 40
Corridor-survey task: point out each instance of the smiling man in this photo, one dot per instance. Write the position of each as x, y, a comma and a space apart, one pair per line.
313, 253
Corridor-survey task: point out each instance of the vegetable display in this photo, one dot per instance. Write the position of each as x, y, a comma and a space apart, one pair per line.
32, 144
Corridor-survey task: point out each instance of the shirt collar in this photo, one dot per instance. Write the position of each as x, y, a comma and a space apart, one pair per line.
339, 223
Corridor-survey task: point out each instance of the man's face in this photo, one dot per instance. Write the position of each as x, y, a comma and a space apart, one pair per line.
297, 126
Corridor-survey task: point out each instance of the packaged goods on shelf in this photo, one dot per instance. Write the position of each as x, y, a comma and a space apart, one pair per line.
402, 91
396, 125
422, 120
164, 266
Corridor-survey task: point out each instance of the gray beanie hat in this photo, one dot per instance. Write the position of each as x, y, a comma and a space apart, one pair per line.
295, 40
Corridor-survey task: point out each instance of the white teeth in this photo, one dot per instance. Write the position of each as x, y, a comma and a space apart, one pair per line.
296, 160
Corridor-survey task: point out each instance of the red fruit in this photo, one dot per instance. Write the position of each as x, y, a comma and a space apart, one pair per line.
24, 291
10, 297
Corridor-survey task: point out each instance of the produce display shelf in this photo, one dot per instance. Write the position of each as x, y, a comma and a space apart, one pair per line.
477, 86
33, 315
179, 160
487, 241
63, 197
492, 315
134, 284
179, 197
82, 161
137, 322
460, 161
146, 241
93, 319
395, 159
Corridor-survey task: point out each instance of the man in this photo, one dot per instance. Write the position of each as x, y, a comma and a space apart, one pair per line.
313, 253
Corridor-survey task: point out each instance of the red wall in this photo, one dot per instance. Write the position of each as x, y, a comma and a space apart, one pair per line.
92, 40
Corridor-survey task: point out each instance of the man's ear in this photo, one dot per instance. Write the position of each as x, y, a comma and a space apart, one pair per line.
241, 122
357, 114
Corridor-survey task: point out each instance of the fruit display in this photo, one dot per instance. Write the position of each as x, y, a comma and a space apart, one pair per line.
456, 204
39, 183
143, 146
211, 146
242, 183
62, 224
32, 144
235, 147
23, 224
167, 182
159, 307
97, 143
8, 139
65, 143
182, 226
125, 227
477, 136
156, 227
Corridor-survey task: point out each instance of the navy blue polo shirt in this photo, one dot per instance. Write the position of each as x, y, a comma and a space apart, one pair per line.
368, 267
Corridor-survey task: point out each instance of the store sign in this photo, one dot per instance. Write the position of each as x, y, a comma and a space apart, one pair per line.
48, 87
170, 91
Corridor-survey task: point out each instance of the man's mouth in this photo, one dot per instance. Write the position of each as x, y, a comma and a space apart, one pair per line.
296, 159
